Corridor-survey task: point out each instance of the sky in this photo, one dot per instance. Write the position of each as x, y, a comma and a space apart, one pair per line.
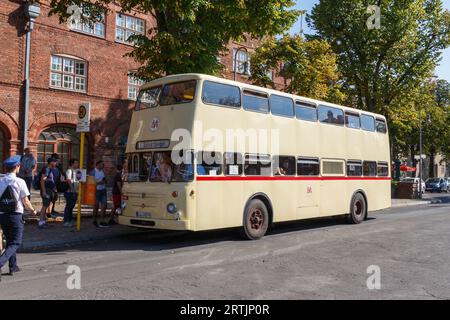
442, 71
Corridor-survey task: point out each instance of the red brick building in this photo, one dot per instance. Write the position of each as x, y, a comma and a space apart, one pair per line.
70, 65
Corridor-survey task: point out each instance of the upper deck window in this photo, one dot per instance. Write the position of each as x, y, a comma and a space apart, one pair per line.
176, 93
281, 106
172, 93
352, 120
304, 111
331, 115
381, 126
221, 94
367, 122
148, 98
255, 101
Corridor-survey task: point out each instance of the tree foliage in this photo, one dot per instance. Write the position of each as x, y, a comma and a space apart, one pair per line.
380, 65
308, 67
189, 35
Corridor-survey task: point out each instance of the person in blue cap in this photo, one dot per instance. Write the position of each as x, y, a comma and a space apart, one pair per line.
13, 198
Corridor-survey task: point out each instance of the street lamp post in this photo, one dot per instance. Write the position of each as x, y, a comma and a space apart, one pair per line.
420, 154
235, 62
32, 11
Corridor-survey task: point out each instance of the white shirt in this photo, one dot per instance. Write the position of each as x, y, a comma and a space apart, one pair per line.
71, 175
99, 176
18, 186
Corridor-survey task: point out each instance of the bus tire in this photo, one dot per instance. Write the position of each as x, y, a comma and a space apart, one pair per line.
358, 209
256, 220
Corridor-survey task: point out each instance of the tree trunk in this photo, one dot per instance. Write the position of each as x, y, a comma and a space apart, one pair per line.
431, 165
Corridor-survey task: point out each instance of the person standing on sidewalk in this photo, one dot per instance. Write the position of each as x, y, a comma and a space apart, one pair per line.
57, 177
100, 194
27, 167
72, 194
116, 193
48, 190
13, 198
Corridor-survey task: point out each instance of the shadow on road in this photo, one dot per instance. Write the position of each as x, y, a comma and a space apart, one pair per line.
156, 240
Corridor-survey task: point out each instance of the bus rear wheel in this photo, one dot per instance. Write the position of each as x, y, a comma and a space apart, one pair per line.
256, 220
358, 209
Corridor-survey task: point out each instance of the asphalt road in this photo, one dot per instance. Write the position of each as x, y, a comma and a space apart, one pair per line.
314, 259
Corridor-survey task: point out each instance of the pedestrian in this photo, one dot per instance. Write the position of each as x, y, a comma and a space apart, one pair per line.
13, 198
100, 194
58, 177
48, 190
27, 167
116, 193
71, 195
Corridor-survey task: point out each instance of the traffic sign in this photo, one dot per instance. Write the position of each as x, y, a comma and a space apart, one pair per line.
84, 117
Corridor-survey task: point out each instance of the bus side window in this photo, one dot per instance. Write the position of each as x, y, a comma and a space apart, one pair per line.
209, 163
304, 111
381, 126
354, 168
383, 169
370, 168
283, 166
331, 115
352, 120
257, 165
367, 122
333, 167
281, 106
255, 101
308, 167
233, 164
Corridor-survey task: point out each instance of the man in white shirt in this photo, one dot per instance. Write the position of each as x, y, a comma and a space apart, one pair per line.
100, 194
13, 197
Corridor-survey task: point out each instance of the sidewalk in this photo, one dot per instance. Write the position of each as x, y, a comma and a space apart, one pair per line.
396, 203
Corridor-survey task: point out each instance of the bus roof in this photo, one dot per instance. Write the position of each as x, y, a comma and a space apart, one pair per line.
242, 85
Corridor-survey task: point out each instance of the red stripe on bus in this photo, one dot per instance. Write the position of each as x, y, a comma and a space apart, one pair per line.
230, 178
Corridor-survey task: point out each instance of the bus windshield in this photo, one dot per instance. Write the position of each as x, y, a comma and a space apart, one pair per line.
158, 167
169, 94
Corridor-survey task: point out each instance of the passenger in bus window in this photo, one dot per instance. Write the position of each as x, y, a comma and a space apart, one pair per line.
330, 117
340, 119
165, 168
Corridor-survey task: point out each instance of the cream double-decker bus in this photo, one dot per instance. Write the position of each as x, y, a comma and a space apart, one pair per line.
208, 153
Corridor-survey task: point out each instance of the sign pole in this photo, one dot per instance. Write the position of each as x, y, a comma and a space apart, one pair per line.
79, 184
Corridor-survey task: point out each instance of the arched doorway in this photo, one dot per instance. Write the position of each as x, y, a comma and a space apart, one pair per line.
3, 151
64, 141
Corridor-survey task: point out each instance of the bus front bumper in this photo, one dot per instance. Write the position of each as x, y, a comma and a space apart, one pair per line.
180, 225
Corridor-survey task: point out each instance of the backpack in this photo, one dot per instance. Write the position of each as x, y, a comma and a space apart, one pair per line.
37, 180
8, 202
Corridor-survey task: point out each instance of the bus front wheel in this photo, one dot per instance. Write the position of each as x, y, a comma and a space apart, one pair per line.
256, 220
358, 209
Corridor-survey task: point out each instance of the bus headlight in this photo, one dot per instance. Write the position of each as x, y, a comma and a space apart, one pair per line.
171, 208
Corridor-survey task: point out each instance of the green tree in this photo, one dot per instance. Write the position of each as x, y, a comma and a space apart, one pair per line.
380, 65
308, 67
189, 34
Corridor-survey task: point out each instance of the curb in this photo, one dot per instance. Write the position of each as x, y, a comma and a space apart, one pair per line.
45, 245
410, 204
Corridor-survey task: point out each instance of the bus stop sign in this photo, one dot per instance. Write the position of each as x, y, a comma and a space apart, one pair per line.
84, 117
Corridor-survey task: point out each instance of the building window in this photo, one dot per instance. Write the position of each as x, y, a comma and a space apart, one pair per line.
127, 26
241, 62
133, 86
68, 73
84, 25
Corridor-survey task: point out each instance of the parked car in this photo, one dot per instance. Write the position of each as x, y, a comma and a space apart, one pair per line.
415, 180
437, 184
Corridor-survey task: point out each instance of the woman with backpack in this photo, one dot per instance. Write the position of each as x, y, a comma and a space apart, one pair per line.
13, 198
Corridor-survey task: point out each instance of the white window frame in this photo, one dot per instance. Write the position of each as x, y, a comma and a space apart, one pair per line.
69, 74
134, 84
84, 27
127, 19
240, 60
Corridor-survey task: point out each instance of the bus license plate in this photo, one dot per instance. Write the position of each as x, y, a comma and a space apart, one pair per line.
143, 214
